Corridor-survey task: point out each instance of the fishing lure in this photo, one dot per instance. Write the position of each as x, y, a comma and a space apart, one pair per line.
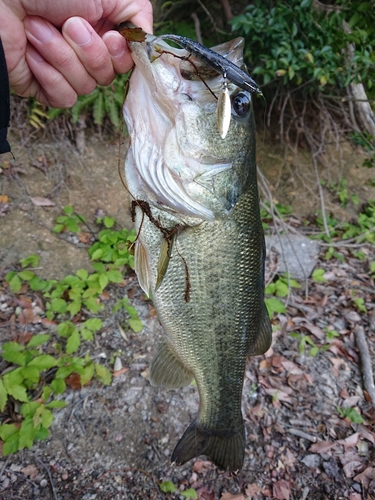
224, 109
214, 60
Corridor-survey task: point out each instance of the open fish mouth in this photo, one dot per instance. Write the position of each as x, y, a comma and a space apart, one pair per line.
176, 101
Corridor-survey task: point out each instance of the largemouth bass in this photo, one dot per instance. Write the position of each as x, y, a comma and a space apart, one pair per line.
200, 249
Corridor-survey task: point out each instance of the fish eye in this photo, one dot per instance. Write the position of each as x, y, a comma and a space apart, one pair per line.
241, 103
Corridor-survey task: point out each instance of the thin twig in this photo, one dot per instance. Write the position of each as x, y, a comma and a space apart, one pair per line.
303, 435
197, 26
49, 475
364, 353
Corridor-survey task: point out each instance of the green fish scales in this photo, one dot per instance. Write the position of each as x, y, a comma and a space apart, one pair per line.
209, 291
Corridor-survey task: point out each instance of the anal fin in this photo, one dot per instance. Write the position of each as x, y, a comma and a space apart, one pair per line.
264, 339
167, 370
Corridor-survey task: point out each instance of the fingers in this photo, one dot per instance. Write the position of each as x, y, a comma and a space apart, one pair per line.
117, 47
48, 85
90, 49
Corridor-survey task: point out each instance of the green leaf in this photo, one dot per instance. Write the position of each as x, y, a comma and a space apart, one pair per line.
11, 446
274, 306
47, 391
87, 374
58, 228
108, 222
74, 307
31, 373
29, 409
73, 343
12, 352
13, 378
103, 374
65, 329
167, 487
58, 306
68, 209
38, 339
19, 393
3, 396
86, 334
41, 434
93, 305
43, 362
93, 324
82, 274
317, 275
97, 254
47, 418
103, 281
27, 433
26, 275
15, 284
32, 260
114, 276
190, 493
7, 430
136, 325
58, 386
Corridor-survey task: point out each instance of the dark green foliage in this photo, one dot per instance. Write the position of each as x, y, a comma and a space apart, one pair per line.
296, 42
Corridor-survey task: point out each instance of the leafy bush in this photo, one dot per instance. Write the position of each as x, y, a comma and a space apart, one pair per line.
297, 42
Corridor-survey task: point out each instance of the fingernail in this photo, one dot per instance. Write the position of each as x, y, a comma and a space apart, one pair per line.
115, 44
39, 30
77, 31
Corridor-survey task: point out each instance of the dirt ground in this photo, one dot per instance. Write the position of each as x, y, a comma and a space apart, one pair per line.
115, 442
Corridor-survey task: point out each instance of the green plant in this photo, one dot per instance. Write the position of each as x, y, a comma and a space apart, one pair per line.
351, 414
68, 222
341, 191
305, 340
331, 334
169, 487
318, 275
44, 374
331, 253
102, 102
279, 288
294, 41
359, 302
32, 370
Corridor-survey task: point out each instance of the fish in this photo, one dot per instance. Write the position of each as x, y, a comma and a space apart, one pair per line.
200, 249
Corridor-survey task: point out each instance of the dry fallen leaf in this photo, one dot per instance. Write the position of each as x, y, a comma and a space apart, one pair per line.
117, 373
321, 447
4, 198
229, 496
202, 466
281, 490
30, 471
42, 202
74, 381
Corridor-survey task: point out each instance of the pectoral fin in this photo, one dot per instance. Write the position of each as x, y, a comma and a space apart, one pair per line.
167, 370
164, 257
141, 267
264, 339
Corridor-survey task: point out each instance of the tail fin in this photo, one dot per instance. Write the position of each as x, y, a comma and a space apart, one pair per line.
226, 449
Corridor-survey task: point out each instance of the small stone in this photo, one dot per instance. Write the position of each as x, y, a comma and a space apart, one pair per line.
43, 483
64, 476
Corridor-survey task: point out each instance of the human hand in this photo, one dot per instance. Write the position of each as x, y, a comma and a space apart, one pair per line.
57, 50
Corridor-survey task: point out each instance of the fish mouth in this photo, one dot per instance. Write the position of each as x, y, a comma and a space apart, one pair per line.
172, 98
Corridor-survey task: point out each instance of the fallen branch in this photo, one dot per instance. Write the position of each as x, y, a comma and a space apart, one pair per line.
364, 353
